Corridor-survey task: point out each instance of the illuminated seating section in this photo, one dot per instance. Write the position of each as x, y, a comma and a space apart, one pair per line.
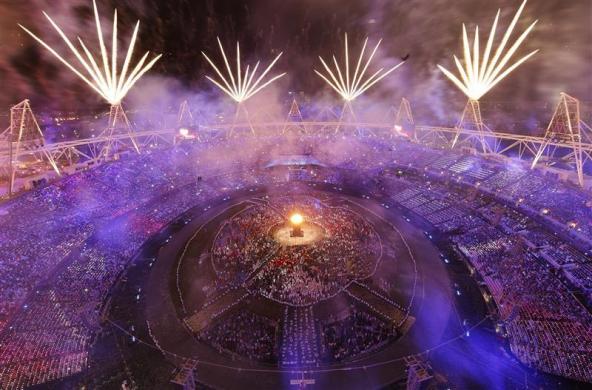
515, 258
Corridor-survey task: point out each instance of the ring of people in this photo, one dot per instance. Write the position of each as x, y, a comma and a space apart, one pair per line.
257, 248
285, 289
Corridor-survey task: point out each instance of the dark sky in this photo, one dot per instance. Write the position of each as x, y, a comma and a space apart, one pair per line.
429, 30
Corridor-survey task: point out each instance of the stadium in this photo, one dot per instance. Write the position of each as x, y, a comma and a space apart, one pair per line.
320, 246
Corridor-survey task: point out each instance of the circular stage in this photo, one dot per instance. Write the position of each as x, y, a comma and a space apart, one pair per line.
229, 295
256, 249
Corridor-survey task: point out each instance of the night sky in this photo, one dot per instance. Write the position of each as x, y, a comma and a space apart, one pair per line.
428, 30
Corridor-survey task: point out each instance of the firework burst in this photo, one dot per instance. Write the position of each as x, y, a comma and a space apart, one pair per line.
105, 78
354, 85
481, 73
241, 87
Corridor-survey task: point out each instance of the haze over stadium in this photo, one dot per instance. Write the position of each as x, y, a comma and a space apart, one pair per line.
312, 194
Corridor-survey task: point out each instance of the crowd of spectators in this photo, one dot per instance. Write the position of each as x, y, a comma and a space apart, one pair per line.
245, 251
361, 332
508, 224
245, 334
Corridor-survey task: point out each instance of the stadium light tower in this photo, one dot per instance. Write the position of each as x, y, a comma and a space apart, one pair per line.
566, 130
480, 73
241, 86
404, 120
349, 86
26, 144
294, 119
185, 121
104, 76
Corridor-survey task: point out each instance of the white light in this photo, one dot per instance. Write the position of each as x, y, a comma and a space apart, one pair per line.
241, 86
481, 73
183, 132
106, 80
354, 85
296, 219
